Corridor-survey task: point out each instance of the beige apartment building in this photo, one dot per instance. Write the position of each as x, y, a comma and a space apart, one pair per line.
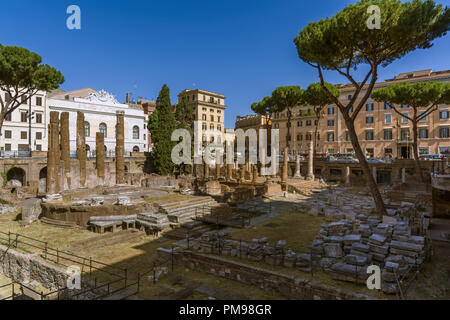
209, 108
381, 131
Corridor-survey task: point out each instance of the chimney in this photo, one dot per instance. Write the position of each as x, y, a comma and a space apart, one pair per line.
128, 98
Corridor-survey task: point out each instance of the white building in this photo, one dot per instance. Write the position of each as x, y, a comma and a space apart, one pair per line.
14, 139
100, 109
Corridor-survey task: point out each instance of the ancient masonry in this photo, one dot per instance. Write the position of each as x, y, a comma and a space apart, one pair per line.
53, 156
100, 157
120, 146
65, 149
81, 147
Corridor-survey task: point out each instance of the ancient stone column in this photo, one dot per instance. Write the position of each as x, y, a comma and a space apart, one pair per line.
206, 168
217, 171
65, 149
255, 173
242, 173
53, 157
120, 149
310, 174
297, 167
403, 175
229, 171
374, 173
81, 148
347, 175
284, 172
100, 157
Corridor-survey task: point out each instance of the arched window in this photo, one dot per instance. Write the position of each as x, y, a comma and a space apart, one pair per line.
87, 129
88, 150
135, 149
103, 128
135, 132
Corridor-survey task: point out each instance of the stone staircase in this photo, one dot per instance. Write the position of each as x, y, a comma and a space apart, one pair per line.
184, 211
60, 223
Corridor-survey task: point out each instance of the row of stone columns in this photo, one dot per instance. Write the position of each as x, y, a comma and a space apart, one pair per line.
60, 150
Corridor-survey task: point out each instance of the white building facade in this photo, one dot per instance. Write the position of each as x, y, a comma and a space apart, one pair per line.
100, 113
15, 133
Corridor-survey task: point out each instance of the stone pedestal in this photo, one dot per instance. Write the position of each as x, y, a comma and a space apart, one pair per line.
310, 174
81, 147
120, 149
65, 150
100, 157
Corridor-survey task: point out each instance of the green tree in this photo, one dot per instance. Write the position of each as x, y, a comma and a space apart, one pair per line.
344, 42
161, 126
423, 97
21, 76
184, 116
316, 97
286, 98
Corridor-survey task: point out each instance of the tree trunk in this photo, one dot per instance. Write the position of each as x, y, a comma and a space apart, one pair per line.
416, 152
371, 183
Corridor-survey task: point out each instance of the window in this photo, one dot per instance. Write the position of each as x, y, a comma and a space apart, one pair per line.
211, 127
204, 109
347, 136
299, 123
331, 123
193, 98
219, 127
423, 133
219, 101
308, 136
349, 97
23, 116
203, 117
204, 126
38, 117
444, 150
330, 110
38, 147
330, 136
218, 119
211, 110
369, 135
387, 106
388, 134
369, 107
404, 134
219, 111
443, 132
443, 114
424, 150
38, 135
370, 152
369, 119
39, 101
204, 98
8, 134
404, 118
23, 135
136, 148
135, 132
211, 118
404, 106
7, 147
387, 118
420, 116
299, 137
87, 129
308, 123
103, 128
8, 117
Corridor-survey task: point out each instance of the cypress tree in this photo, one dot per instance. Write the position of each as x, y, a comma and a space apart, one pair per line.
161, 125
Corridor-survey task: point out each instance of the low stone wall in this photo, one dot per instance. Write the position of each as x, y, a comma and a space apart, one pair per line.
289, 286
21, 267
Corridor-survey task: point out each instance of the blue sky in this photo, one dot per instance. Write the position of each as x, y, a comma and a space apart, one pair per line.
242, 49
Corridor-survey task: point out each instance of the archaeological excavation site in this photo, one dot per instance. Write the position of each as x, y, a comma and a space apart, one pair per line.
106, 228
